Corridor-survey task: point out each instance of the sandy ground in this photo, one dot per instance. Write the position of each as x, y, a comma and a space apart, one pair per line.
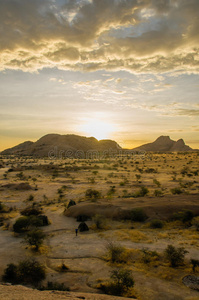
84, 254
24, 293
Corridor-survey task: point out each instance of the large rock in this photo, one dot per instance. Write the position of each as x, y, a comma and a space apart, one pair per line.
164, 144
58, 146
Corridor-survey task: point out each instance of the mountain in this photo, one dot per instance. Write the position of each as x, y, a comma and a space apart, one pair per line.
164, 144
70, 145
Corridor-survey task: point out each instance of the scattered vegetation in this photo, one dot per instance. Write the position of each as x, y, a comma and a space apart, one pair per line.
175, 255
26, 272
121, 282
35, 238
92, 194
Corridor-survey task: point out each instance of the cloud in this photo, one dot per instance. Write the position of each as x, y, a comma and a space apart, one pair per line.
187, 112
89, 35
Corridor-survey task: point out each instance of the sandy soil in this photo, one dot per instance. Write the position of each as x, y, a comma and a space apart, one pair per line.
84, 254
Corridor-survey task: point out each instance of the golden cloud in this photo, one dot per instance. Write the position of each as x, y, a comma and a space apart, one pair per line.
88, 35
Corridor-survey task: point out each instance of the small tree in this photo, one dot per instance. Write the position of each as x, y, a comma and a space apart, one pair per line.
27, 272
35, 238
175, 255
92, 194
31, 272
122, 281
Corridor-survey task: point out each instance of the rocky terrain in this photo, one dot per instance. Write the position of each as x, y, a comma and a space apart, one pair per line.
164, 144
70, 145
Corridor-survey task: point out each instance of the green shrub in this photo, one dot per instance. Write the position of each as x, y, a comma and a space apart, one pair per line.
26, 272
148, 255
31, 271
21, 224
155, 181
183, 216
31, 210
176, 191
92, 194
143, 191
156, 224
122, 281
115, 252
138, 215
158, 193
10, 274
35, 238
175, 255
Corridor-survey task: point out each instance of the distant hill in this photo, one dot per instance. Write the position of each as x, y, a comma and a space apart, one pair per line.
70, 145
164, 144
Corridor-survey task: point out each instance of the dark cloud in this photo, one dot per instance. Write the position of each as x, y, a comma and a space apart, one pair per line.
134, 35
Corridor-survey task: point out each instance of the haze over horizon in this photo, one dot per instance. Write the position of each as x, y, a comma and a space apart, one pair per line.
122, 70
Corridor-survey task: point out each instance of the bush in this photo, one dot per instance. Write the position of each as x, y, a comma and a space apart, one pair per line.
156, 224
138, 215
35, 221
158, 193
155, 181
176, 191
33, 210
21, 224
26, 272
183, 216
35, 238
115, 252
92, 194
122, 281
25, 223
143, 191
175, 255
149, 256
10, 274
31, 271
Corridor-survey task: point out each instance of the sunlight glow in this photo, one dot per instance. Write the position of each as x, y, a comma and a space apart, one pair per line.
97, 128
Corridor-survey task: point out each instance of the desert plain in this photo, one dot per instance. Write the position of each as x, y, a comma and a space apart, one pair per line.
104, 192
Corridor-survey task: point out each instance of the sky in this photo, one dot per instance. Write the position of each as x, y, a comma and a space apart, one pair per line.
126, 70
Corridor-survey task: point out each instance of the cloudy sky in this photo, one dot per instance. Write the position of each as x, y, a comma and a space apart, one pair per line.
121, 69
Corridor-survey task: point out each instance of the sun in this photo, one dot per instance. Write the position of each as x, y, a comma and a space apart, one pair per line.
97, 128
